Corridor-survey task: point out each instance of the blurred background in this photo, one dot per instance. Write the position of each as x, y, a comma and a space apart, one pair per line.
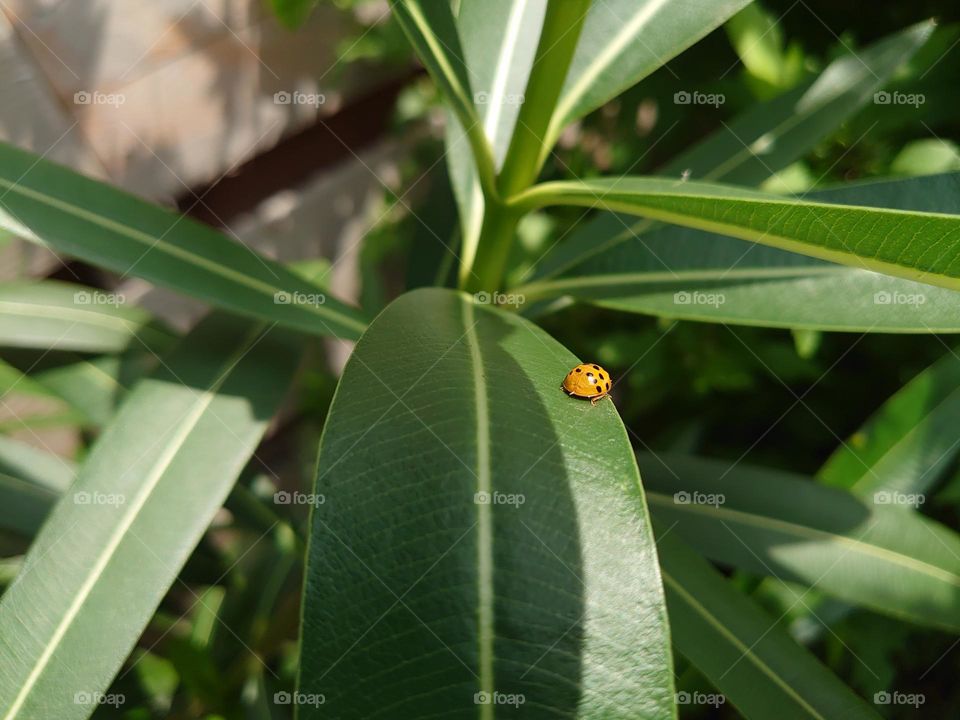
325, 143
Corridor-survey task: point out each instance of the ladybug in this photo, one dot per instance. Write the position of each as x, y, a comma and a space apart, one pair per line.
587, 381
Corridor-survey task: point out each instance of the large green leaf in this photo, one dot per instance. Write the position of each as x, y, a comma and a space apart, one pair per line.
623, 41
104, 226
918, 246
483, 526
695, 275
140, 504
760, 142
773, 523
741, 650
51, 315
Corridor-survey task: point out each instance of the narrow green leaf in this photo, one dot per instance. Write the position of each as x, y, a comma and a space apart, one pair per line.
898, 454
95, 387
760, 142
499, 41
774, 523
80, 217
23, 505
37, 467
623, 41
140, 504
689, 274
51, 315
31, 481
483, 526
907, 444
755, 664
917, 246
432, 30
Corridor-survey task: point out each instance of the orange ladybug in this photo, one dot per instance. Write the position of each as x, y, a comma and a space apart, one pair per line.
587, 381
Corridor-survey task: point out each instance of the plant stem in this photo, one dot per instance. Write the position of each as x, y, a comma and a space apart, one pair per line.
558, 41
496, 238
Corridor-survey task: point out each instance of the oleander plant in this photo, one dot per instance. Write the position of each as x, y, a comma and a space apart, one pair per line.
758, 519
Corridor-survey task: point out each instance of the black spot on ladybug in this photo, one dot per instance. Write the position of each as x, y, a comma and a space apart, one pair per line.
590, 375
608, 386
579, 369
602, 377
595, 367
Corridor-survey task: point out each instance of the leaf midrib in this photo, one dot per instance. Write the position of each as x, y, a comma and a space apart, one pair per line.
116, 538
154, 243
58, 312
604, 60
708, 275
485, 569
809, 533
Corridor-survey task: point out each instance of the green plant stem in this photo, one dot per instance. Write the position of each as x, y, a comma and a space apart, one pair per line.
558, 41
496, 238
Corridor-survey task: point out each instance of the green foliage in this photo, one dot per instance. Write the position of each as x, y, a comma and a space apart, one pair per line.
471, 541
